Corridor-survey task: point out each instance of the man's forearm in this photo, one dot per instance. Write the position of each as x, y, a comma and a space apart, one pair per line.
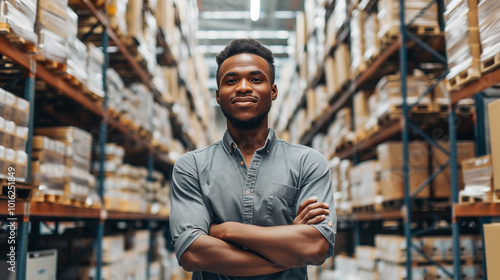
288, 246
214, 255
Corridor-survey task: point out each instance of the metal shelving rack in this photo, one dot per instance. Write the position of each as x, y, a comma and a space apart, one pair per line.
403, 128
483, 211
406, 36
28, 212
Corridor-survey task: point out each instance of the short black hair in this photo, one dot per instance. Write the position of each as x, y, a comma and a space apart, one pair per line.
251, 46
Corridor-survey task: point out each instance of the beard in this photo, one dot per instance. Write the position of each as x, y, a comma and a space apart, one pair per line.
246, 124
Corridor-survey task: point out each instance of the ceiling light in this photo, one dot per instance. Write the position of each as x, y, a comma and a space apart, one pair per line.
255, 10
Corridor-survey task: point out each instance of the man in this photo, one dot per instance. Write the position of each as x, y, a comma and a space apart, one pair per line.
250, 204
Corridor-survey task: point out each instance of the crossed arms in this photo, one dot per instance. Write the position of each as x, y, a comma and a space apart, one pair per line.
236, 249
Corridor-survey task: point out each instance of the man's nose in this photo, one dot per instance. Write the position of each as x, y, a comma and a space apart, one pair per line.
244, 86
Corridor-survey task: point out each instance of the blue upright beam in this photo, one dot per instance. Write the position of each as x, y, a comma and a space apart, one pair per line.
29, 95
454, 194
403, 62
22, 244
102, 154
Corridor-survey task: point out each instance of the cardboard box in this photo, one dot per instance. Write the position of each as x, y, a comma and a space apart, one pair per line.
342, 65
393, 183
361, 109
465, 150
494, 114
390, 155
492, 247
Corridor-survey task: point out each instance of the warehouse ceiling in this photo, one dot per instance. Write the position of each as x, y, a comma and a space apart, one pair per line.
220, 21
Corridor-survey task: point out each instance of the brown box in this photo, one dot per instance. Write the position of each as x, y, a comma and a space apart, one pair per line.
494, 115
442, 183
331, 76
492, 247
361, 109
465, 150
342, 65
393, 183
390, 155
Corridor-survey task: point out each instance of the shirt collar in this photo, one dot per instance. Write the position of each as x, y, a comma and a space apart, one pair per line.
230, 145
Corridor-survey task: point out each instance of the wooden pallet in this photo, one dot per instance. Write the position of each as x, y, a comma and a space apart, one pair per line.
23, 191
496, 196
469, 199
490, 63
22, 44
56, 67
463, 78
395, 112
74, 81
393, 33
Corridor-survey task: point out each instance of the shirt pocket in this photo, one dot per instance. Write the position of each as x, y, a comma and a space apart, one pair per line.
281, 200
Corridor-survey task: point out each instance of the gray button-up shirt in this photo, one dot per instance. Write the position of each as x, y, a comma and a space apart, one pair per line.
213, 185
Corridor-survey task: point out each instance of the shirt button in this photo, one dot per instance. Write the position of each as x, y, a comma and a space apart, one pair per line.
234, 146
230, 151
247, 192
330, 224
242, 163
267, 151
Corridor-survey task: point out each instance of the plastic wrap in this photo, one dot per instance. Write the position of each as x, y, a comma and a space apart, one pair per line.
389, 92
388, 14
21, 116
489, 26
72, 23
94, 70
457, 37
46, 20
357, 39
20, 16
56, 7
145, 104
77, 59
117, 11
46, 150
52, 46
21, 137
372, 43
340, 14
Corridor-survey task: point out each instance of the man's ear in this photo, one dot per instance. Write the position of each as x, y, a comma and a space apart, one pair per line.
274, 92
217, 96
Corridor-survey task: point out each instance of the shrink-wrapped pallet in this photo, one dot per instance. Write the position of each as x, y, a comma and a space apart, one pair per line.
19, 18
115, 91
462, 42
489, 24
77, 52
95, 60
372, 43
390, 98
117, 12
389, 18
358, 64
342, 63
54, 26
144, 105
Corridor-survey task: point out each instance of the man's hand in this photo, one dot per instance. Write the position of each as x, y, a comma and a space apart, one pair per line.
218, 230
311, 212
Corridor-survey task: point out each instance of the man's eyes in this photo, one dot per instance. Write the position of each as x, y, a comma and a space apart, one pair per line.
253, 80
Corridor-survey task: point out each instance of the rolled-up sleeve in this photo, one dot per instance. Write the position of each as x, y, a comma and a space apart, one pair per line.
317, 182
189, 217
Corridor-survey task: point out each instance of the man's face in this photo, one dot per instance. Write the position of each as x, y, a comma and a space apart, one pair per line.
245, 92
